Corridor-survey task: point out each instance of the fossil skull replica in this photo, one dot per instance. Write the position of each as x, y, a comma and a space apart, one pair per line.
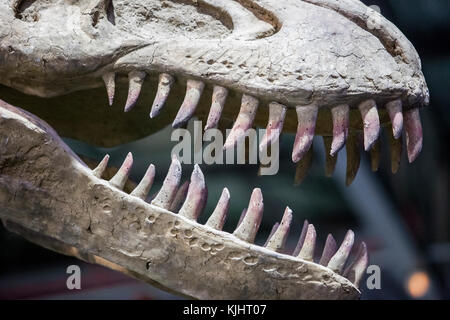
334, 68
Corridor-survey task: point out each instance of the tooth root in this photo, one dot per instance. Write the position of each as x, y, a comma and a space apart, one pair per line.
307, 117
340, 115
121, 177
330, 161
371, 122
243, 122
194, 92
353, 158
414, 134
301, 239
165, 196
110, 84
272, 232
396, 146
196, 196
303, 167
219, 215
164, 86
307, 252
141, 191
180, 197
218, 102
355, 272
278, 239
329, 250
394, 109
337, 262
277, 113
136, 79
375, 156
98, 171
250, 224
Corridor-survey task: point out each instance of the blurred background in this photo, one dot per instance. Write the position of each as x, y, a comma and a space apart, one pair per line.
404, 219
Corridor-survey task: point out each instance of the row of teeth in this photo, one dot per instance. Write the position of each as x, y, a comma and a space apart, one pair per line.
307, 117
190, 198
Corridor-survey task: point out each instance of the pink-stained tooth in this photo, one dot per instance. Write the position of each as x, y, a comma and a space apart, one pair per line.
121, 177
414, 134
272, 232
194, 92
165, 196
309, 245
98, 171
375, 156
330, 161
353, 158
277, 240
244, 121
303, 167
219, 98
136, 79
241, 217
180, 197
371, 122
219, 215
339, 259
196, 196
396, 147
355, 272
277, 113
307, 117
164, 86
142, 189
110, 84
340, 115
249, 226
329, 250
394, 109
301, 239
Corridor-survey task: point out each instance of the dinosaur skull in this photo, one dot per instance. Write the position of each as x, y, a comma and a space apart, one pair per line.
311, 67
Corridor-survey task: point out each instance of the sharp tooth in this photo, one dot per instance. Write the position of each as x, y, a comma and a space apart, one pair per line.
414, 135
219, 215
329, 250
277, 113
250, 224
180, 197
165, 196
110, 84
243, 122
330, 161
278, 239
396, 152
194, 91
371, 122
121, 176
355, 272
98, 172
375, 156
307, 116
141, 191
196, 196
164, 86
307, 252
241, 217
218, 102
136, 79
353, 158
339, 259
301, 239
340, 115
303, 167
272, 232
394, 109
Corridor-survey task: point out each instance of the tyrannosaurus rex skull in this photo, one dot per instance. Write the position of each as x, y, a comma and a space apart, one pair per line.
314, 67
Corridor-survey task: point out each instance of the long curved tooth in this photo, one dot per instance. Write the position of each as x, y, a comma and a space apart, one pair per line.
375, 156
165, 196
278, 239
307, 117
219, 215
355, 272
249, 226
394, 109
98, 171
339, 259
180, 197
371, 122
196, 196
194, 92
340, 116
142, 189
244, 120
396, 148
136, 79
301, 239
303, 167
329, 250
277, 113
164, 86
110, 84
330, 161
121, 177
309, 245
219, 98
353, 158
414, 134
